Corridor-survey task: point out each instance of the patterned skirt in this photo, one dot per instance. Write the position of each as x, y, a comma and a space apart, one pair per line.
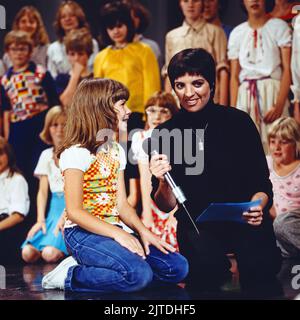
160, 227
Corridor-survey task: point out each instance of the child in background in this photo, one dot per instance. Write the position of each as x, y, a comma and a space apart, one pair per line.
295, 66
132, 63
29, 20
27, 91
158, 109
70, 16
14, 204
284, 166
97, 210
79, 47
45, 238
260, 51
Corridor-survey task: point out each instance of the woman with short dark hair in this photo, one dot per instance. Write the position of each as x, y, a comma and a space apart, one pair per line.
234, 169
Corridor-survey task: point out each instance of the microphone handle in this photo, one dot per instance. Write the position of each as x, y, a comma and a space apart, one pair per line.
178, 193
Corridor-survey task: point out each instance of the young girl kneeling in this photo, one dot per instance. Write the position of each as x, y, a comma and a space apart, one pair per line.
108, 257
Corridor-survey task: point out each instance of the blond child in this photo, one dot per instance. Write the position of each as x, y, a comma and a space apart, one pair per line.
284, 166
69, 16
45, 240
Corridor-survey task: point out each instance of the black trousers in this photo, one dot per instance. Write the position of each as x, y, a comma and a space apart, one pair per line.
255, 249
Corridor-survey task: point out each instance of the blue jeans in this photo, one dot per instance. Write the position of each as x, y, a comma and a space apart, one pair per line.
105, 266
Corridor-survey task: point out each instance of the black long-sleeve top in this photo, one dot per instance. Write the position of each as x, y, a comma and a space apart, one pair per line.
235, 166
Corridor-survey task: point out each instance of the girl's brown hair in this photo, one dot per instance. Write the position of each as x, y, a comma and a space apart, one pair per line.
6, 148
286, 128
52, 115
92, 110
40, 37
78, 12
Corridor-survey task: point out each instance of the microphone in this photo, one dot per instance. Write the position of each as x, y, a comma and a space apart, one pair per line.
177, 191
150, 146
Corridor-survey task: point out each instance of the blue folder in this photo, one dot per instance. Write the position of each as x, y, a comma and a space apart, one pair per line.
227, 211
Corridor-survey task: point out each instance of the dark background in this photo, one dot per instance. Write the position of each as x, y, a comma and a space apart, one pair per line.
166, 15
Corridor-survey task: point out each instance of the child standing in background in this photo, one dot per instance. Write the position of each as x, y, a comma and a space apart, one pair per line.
27, 91
106, 256
79, 47
284, 166
29, 20
45, 238
70, 16
14, 205
132, 63
260, 54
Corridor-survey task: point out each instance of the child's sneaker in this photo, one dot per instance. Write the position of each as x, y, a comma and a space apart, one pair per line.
56, 278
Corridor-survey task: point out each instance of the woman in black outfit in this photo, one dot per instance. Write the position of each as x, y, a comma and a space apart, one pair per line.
235, 170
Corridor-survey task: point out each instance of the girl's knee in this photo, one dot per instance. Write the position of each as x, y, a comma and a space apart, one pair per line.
139, 276
180, 268
51, 255
30, 254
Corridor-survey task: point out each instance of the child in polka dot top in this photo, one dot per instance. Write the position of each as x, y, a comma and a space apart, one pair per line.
284, 166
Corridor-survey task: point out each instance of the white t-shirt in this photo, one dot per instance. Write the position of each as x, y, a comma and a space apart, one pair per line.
80, 158
47, 167
13, 194
295, 65
137, 145
259, 56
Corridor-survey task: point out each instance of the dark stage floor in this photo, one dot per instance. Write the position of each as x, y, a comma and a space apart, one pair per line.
24, 283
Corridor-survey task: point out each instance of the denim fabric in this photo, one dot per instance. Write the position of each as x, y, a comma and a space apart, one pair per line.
105, 266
